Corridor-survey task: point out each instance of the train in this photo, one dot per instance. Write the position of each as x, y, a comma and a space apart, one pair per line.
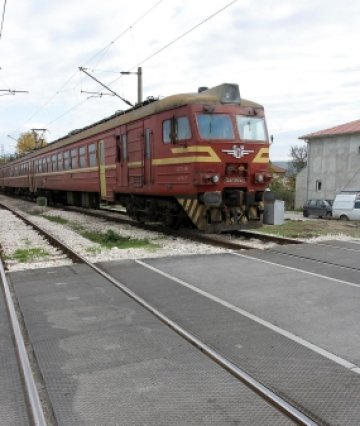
196, 159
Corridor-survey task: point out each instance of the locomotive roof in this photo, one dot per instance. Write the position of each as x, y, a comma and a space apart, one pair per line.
151, 106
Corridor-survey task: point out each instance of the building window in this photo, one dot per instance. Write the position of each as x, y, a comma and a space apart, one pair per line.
318, 185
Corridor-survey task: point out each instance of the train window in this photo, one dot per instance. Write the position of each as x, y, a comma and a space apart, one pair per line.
215, 126
177, 129
92, 155
118, 149
74, 158
251, 128
49, 164
60, 161
82, 156
167, 131
67, 160
44, 165
124, 146
54, 162
183, 129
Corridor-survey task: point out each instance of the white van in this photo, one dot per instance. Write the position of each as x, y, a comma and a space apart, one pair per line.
346, 206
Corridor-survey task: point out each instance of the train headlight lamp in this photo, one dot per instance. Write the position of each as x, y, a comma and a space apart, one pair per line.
259, 178
215, 178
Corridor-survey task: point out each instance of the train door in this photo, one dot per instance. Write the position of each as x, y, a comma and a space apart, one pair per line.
31, 176
135, 139
102, 169
148, 156
122, 172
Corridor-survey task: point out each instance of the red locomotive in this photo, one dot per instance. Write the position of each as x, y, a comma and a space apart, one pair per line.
201, 157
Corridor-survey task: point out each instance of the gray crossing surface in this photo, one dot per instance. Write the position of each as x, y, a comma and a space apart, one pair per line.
105, 360
12, 404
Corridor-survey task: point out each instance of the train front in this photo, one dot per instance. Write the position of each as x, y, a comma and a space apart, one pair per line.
231, 178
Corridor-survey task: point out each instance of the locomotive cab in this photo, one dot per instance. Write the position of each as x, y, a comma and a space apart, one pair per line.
230, 182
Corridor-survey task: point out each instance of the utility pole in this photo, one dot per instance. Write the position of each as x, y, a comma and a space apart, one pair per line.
140, 85
139, 82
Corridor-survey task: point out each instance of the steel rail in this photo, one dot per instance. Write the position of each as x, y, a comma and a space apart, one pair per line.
268, 237
32, 395
276, 401
279, 403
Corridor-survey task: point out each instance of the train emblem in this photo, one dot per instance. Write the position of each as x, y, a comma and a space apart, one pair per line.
238, 151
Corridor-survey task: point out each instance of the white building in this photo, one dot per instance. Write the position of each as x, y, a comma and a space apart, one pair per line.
333, 163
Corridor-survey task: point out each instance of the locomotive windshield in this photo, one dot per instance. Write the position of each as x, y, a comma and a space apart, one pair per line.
215, 126
251, 128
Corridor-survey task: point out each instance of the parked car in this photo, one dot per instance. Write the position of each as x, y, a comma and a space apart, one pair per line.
347, 207
318, 208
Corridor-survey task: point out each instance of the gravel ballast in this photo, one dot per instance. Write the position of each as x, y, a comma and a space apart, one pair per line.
15, 235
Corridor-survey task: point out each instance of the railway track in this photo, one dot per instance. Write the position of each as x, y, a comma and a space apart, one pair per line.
30, 389
235, 240
286, 408
232, 240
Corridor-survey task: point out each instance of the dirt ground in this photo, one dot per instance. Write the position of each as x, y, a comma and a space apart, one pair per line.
299, 228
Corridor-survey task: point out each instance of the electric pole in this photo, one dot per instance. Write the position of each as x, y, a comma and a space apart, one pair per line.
139, 84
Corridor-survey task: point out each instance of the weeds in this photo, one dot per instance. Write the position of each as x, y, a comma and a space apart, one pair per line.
28, 254
110, 239
56, 219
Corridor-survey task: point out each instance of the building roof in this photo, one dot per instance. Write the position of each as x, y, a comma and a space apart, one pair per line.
276, 169
344, 129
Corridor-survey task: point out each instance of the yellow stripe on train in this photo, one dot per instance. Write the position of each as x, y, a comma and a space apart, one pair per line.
262, 156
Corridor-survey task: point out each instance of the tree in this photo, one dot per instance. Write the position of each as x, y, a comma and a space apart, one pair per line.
298, 155
284, 190
28, 141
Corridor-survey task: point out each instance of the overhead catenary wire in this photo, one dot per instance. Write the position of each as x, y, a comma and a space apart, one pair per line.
101, 51
208, 18
185, 33
174, 41
2, 19
179, 37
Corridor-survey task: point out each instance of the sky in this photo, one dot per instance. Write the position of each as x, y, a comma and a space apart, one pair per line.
298, 58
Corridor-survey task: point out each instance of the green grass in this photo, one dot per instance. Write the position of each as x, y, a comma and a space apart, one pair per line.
110, 239
61, 221
93, 250
311, 229
56, 219
29, 254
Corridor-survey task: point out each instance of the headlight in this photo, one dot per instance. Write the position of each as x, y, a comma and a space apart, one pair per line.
259, 178
215, 179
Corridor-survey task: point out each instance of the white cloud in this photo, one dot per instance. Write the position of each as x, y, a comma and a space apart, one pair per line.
296, 58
